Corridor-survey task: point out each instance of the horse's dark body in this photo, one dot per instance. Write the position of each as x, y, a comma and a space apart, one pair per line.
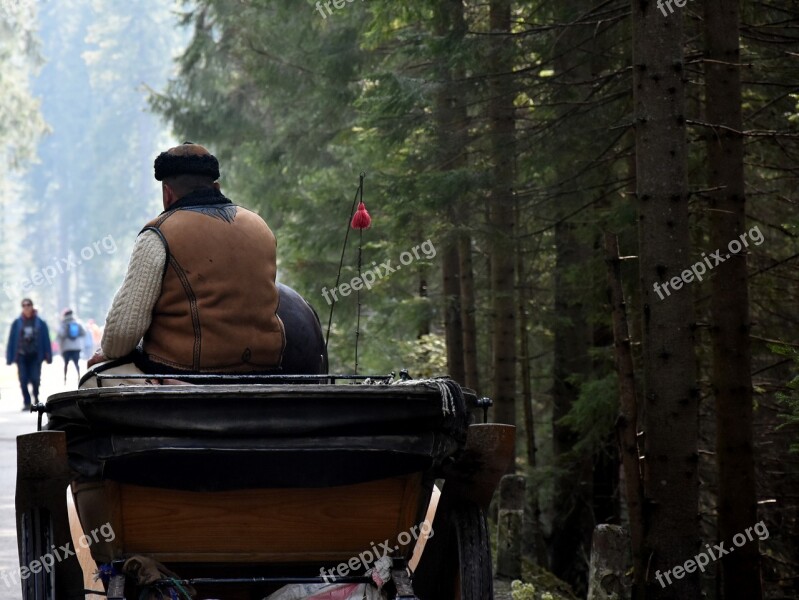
305, 351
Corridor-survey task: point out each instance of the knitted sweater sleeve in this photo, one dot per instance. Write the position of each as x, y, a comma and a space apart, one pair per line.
132, 309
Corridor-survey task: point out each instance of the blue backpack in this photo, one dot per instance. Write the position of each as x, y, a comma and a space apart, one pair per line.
73, 331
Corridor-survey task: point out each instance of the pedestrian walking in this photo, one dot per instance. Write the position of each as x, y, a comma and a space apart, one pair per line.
28, 346
72, 339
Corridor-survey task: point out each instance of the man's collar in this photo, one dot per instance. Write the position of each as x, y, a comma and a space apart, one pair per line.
200, 198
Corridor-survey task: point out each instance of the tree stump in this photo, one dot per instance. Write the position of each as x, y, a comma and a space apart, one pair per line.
509, 527
610, 563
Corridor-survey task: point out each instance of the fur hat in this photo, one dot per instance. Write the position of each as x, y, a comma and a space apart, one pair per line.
186, 159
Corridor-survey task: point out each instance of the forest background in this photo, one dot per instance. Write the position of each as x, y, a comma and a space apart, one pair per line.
513, 136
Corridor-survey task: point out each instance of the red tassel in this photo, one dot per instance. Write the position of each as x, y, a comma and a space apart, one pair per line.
361, 218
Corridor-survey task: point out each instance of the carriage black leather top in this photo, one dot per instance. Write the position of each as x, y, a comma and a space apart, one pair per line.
250, 436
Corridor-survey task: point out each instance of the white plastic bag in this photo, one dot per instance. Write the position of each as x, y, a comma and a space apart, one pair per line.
380, 573
327, 591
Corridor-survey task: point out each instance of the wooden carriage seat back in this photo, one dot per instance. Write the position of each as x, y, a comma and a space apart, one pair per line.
293, 525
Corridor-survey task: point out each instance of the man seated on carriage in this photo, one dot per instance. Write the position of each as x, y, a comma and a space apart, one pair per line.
200, 292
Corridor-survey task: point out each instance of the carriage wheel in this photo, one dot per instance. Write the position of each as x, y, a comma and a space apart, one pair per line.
36, 541
456, 563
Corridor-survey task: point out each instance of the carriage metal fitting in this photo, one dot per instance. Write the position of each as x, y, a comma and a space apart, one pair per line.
401, 580
41, 409
222, 378
485, 403
116, 587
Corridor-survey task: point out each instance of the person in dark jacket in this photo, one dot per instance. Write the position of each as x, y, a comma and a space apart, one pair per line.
29, 346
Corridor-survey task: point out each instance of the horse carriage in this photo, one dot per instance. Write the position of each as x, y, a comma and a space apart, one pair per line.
240, 487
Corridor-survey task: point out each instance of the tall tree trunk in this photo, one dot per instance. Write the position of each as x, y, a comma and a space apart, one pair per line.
671, 485
468, 310
570, 539
627, 423
450, 116
533, 541
502, 123
452, 317
424, 323
732, 382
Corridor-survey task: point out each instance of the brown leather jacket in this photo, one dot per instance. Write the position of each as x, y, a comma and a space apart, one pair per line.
218, 306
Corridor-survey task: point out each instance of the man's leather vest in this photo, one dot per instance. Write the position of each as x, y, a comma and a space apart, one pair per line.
218, 306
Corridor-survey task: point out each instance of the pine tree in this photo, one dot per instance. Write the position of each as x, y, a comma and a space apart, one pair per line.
670, 473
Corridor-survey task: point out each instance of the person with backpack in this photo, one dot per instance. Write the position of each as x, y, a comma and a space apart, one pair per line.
28, 346
71, 340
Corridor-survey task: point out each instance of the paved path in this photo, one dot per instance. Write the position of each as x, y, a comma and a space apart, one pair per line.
13, 422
